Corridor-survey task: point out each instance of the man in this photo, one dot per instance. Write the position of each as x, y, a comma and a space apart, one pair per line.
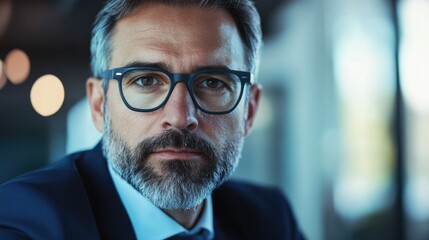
174, 95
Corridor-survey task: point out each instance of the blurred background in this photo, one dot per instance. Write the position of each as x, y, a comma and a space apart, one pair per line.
344, 121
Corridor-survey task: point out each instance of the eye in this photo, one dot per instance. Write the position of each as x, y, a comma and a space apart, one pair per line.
212, 83
146, 81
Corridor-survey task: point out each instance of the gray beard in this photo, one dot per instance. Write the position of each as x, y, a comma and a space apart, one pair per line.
179, 184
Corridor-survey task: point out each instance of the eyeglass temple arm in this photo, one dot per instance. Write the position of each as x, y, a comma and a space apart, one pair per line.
109, 74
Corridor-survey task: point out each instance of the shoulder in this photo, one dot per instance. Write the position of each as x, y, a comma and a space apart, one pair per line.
41, 203
261, 211
22, 206
48, 179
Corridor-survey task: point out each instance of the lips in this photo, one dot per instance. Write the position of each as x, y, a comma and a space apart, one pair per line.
171, 154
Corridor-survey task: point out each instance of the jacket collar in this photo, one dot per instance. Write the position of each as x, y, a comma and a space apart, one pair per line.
109, 212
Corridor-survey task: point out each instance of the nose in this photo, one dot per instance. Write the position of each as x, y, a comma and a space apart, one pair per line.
180, 111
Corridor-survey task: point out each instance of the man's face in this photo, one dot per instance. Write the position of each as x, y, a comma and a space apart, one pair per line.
177, 155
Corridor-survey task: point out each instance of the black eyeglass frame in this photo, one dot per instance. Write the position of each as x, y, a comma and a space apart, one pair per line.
118, 73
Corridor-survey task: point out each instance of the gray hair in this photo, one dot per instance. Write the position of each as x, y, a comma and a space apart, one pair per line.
243, 12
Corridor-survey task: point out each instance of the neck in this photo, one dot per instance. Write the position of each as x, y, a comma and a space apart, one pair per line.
186, 218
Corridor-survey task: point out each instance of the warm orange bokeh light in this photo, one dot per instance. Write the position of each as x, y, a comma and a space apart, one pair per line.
17, 66
2, 75
47, 95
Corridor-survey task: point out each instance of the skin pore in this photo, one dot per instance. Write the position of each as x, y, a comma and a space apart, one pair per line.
180, 39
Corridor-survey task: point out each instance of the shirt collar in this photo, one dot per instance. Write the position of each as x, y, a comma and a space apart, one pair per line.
150, 222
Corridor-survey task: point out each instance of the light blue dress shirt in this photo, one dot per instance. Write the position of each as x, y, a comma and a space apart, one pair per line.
151, 223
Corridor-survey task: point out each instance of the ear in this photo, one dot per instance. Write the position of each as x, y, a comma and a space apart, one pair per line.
252, 107
95, 93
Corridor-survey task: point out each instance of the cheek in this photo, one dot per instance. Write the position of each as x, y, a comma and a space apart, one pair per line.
223, 127
130, 126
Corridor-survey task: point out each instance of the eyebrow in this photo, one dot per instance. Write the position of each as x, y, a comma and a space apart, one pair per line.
168, 67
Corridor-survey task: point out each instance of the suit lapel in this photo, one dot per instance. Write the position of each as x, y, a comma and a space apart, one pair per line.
112, 220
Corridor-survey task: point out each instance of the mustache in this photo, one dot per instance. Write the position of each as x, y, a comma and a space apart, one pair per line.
180, 139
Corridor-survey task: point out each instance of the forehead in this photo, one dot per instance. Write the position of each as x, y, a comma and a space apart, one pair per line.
155, 32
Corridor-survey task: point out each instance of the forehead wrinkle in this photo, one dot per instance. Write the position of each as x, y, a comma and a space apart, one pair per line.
167, 44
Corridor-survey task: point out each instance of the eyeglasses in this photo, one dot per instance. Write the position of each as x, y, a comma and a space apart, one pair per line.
146, 89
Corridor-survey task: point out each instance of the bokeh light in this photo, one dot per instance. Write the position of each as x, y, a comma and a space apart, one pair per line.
17, 66
2, 75
47, 95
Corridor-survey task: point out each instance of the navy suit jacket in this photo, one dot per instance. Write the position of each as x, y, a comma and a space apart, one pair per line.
74, 198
